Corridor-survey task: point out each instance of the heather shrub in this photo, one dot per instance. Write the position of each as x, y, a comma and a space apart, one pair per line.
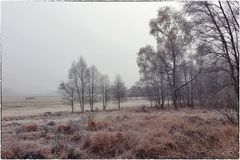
142, 108
76, 138
65, 129
146, 150
109, 144
7, 154
194, 120
51, 123
86, 142
23, 150
30, 127
73, 154
33, 155
94, 125
124, 134
58, 148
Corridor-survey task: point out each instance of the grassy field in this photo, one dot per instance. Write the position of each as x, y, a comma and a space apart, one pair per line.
132, 132
19, 106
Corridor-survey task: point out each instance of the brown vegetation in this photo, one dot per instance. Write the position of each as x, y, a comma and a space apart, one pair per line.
30, 127
129, 133
94, 125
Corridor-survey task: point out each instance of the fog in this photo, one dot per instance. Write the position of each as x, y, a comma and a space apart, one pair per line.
40, 40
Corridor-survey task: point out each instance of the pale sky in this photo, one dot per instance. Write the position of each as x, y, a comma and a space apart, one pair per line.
40, 40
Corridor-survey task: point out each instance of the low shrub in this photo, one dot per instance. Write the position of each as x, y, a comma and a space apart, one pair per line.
126, 134
58, 148
7, 154
66, 129
51, 123
170, 145
147, 151
76, 138
73, 154
142, 108
109, 144
33, 155
86, 142
194, 120
30, 127
94, 125
22, 150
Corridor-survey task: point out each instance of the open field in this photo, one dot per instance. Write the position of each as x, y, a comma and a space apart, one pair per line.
19, 106
132, 132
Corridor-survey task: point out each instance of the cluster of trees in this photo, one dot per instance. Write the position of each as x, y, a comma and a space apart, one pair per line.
169, 70
196, 60
86, 85
217, 27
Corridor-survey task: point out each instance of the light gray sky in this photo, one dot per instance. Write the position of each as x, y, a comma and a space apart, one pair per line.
40, 40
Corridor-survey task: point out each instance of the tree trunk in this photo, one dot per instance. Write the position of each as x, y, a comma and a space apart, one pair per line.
72, 106
82, 99
119, 104
174, 79
174, 97
151, 102
103, 99
168, 101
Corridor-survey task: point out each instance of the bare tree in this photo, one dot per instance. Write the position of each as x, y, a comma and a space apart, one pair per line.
146, 90
68, 92
217, 29
105, 89
119, 90
88, 84
77, 74
164, 66
82, 71
93, 85
173, 36
151, 74
149, 92
73, 77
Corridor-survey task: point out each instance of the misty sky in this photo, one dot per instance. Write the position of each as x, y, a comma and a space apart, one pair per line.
40, 40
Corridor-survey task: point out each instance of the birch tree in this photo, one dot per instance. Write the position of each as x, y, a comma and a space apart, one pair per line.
105, 90
119, 90
68, 92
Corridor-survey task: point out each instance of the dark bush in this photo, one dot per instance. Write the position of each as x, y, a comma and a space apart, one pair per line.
33, 155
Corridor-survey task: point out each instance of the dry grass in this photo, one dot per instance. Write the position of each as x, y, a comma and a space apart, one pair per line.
22, 150
94, 125
30, 127
129, 133
65, 129
109, 144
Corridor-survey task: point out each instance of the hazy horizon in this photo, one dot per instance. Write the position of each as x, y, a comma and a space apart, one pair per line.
40, 40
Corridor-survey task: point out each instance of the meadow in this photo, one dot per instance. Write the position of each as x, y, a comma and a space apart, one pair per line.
135, 131
20, 106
